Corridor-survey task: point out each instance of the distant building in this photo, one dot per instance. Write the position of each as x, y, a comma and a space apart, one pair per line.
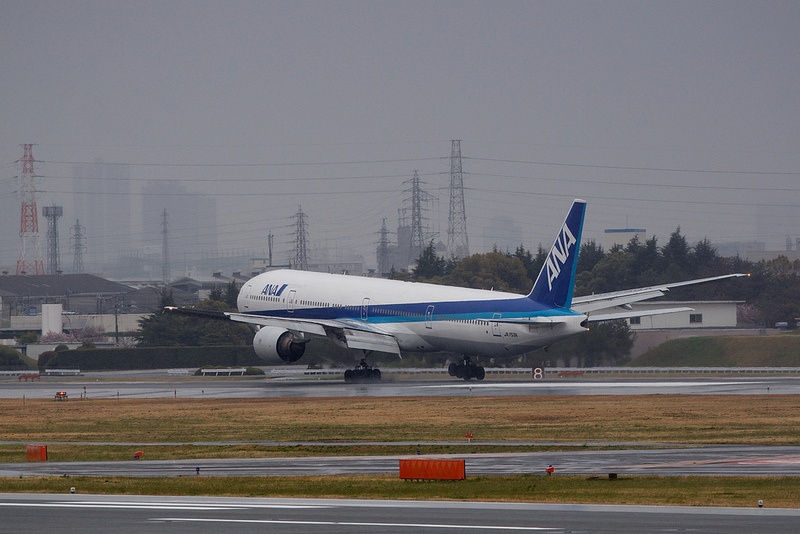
760, 254
191, 224
704, 314
77, 293
738, 248
502, 233
102, 203
622, 236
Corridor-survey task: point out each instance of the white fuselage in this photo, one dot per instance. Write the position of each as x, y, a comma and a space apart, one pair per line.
421, 317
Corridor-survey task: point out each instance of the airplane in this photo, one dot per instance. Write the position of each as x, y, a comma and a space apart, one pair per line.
366, 315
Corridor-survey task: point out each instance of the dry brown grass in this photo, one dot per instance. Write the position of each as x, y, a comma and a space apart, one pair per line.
761, 419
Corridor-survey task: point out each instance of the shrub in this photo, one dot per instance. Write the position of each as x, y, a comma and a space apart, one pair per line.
11, 359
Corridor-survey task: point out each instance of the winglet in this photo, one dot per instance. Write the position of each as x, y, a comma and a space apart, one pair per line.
556, 280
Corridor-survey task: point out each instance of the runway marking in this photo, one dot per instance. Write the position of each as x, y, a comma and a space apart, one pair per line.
788, 461
349, 524
155, 506
485, 385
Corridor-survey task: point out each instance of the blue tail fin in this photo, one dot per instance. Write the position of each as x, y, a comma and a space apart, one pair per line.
556, 280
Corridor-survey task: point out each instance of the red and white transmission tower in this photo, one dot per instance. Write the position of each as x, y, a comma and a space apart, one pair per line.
30, 250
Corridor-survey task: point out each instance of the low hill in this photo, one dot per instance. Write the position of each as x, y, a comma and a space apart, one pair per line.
724, 351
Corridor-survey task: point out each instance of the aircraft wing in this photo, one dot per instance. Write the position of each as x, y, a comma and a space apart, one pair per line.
627, 297
355, 334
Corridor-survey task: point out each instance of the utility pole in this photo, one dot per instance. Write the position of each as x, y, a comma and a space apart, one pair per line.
383, 251
457, 241
30, 250
269, 245
300, 248
52, 213
418, 196
77, 245
165, 275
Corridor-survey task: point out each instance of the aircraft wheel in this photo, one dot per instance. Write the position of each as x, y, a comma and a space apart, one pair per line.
461, 372
452, 369
348, 376
480, 373
468, 373
376, 375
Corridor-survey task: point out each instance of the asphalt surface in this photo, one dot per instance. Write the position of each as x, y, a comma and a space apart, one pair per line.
708, 460
90, 514
158, 384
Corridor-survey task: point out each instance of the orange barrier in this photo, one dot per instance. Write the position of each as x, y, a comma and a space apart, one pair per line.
37, 453
32, 376
419, 469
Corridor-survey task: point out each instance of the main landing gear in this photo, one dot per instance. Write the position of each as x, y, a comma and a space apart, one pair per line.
362, 373
466, 370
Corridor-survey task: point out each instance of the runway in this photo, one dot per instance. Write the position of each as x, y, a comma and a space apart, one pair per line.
711, 460
90, 514
157, 384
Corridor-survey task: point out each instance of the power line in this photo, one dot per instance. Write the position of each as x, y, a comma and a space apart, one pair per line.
291, 164
629, 168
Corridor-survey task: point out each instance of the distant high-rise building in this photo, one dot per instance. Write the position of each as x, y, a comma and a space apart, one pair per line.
502, 233
620, 237
774, 223
102, 202
192, 224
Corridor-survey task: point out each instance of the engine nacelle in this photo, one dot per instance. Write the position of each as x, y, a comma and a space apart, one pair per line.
277, 345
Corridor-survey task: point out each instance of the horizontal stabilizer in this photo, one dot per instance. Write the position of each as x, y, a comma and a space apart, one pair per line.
543, 320
612, 300
628, 314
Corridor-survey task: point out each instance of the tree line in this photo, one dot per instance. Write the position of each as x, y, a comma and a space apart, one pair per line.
770, 294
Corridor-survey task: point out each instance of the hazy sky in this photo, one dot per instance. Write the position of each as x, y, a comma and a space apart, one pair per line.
659, 114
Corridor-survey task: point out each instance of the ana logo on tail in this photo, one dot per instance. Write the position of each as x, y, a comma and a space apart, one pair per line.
559, 254
556, 279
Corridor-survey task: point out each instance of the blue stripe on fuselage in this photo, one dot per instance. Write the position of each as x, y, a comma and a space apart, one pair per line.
518, 308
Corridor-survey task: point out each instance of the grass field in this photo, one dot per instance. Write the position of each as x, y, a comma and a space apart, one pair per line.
760, 420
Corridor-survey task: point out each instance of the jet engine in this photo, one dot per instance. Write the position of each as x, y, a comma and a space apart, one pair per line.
277, 345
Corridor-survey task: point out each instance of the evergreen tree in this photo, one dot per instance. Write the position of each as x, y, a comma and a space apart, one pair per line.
589, 255
216, 293
490, 271
429, 265
231, 294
